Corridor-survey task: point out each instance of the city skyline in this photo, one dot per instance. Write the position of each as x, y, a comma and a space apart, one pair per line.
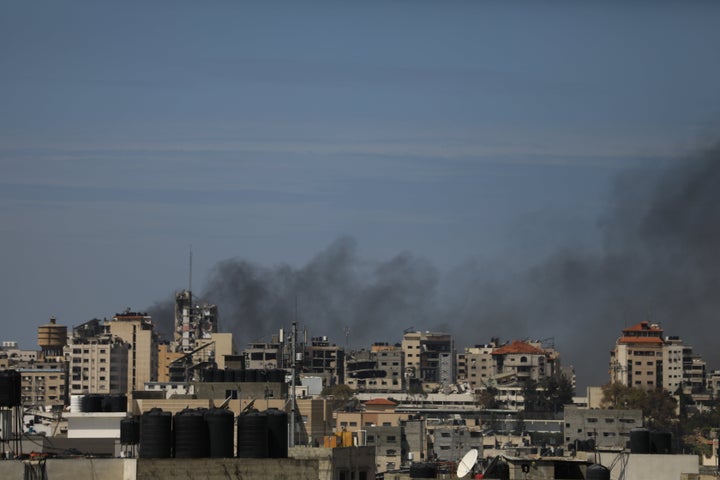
510, 169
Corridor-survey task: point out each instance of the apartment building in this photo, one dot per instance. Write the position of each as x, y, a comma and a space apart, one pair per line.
643, 358
521, 361
136, 329
264, 355
636, 360
379, 369
324, 359
475, 366
97, 365
429, 357
44, 385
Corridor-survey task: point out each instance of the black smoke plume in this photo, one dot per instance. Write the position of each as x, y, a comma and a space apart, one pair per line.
659, 261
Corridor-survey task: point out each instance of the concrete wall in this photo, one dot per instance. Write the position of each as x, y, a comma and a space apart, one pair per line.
222, 469
306, 464
72, 469
642, 467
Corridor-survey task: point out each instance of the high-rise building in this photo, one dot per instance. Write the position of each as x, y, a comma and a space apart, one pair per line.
136, 329
643, 358
194, 320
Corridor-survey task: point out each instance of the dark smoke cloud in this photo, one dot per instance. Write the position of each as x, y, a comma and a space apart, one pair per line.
659, 260
334, 291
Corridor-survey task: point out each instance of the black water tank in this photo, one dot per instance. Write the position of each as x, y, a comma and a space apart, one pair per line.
276, 376
423, 470
10, 382
639, 440
129, 431
261, 376
277, 425
597, 472
221, 426
252, 435
502, 470
92, 403
661, 442
191, 434
114, 403
229, 375
250, 376
239, 375
155, 434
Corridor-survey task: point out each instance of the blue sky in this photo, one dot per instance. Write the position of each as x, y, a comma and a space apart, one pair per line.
266, 130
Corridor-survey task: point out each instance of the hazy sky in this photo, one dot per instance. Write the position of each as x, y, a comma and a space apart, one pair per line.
454, 132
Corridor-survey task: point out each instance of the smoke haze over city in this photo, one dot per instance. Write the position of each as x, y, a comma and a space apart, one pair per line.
524, 170
658, 261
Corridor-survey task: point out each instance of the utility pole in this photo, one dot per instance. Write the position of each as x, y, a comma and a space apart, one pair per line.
292, 386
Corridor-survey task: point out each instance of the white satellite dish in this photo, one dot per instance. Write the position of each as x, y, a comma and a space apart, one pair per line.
467, 463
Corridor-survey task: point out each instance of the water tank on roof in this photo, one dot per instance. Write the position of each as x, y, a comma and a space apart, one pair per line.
156, 434
639, 440
423, 470
597, 472
252, 435
661, 442
221, 427
190, 433
277, 426
129, 431
10, 381
276, 375
92, 403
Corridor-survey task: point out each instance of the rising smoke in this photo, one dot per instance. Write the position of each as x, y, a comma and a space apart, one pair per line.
660, 260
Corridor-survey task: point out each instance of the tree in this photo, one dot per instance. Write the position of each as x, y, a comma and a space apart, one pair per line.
486, 398
341, 394
658, 406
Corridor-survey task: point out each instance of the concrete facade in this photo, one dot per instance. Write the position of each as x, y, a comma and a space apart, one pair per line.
305, 464
98, 365
642, 467
607, 427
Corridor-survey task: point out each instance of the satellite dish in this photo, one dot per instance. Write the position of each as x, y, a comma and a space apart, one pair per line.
467, 463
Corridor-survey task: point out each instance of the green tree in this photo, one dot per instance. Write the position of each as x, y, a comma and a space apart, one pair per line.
341, 395
658, 406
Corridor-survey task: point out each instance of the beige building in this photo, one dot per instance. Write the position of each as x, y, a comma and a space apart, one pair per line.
165, 357
97, 365
379, 369
429, 358
475, 366
44, 385
136, 329
377, 412
636, 360
521, 361
264, 355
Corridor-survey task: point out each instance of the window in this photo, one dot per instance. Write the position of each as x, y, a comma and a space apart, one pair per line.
391, 439
592, 420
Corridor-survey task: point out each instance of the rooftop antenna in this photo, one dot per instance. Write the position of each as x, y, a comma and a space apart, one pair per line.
190, 272
347, 337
